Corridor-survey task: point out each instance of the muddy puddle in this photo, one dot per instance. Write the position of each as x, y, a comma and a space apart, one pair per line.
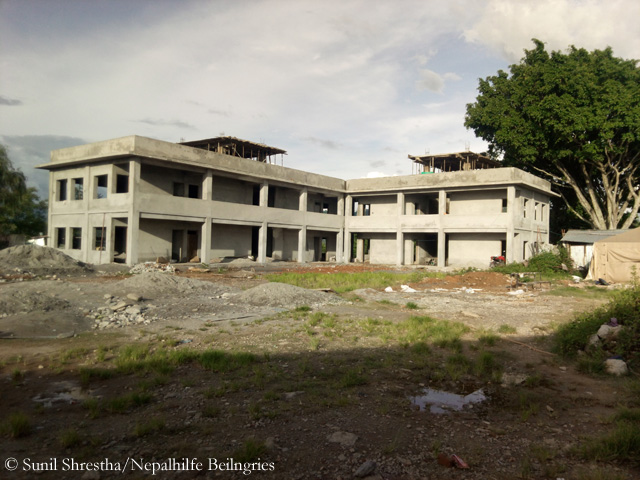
62, 392
439, 401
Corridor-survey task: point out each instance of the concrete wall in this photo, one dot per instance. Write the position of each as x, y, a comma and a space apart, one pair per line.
230, 240
231, 190
476, 202
382, 248
473, 249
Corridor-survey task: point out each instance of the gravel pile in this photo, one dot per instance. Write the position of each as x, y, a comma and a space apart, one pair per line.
16, 299
285, 296
38, 260
154, 284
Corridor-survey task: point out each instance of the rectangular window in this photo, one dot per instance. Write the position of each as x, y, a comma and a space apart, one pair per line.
61, 237
122, 183
99, 238
525, 207
101, 183
535, 211
76, 238
366, 209
62, 190
178, 189
194, 191
78, 188
325, 208
504, 205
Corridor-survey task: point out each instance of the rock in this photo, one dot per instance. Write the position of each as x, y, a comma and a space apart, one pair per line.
606, 332
162, 260
134, 296
469, 314
345, 439
195, 259
594, 341
366, 469
616, 367
119, 306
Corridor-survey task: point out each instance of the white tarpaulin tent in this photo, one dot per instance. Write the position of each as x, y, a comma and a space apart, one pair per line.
614, 257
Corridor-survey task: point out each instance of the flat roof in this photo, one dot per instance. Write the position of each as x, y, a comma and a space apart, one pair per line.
236, 147
589, 236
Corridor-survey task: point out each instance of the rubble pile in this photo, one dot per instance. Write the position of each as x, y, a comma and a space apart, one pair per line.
148, 267
606, 339
120, 312
36, 260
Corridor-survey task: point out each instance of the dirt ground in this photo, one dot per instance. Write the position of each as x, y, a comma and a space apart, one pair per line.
325, 395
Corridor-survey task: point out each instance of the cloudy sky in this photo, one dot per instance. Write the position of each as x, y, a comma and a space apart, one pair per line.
347, 87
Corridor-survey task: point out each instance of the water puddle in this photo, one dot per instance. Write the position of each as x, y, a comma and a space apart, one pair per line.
62, 392
439, 401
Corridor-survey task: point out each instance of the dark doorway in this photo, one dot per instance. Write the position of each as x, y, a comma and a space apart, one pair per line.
192, 244
120, 244
255, 239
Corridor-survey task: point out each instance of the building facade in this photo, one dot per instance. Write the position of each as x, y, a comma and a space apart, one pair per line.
135, 199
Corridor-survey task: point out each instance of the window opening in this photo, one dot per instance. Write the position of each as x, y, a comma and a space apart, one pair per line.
122, 183
78, 188
76, 238
62, 190
101, 186
61, 237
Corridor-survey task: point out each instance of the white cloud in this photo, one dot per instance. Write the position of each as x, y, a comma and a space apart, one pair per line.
508, 26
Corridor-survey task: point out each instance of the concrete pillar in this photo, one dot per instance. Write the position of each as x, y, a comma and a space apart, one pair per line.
302, 204
302, 244
205, 241
442, 261
409, 250
442, 202
360, 250
400, 204
399, 248
133, 217
340, 246
264, 194
346, 251
341, 204
348, 207
207, 185
511, 215
262, 242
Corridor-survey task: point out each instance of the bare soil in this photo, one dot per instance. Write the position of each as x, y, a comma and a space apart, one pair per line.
320, 398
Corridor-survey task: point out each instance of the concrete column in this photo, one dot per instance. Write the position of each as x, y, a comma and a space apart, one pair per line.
207, 186
133, 217
442, 202
341, 204
264, 194
205, 241
511, 214
348, 207
441, 248
400, 204
359, 250
340, 246
262, 242
302, 244
409, 251
399, 248
302, 204
346, 251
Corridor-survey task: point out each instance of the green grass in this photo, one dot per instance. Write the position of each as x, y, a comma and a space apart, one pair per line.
584, 292
149, 427
412, 306
250, 451
621, 444
17, 425
346, 282
69, 438
441, 333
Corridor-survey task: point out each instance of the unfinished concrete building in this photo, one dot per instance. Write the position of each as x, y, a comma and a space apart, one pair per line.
135, 199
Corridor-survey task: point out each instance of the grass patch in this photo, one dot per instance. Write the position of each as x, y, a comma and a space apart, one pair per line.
17, 425
585, 292
441, 333
251, 450
346, 282
412, 306
151, 426
507, 329
623, 443
69, 438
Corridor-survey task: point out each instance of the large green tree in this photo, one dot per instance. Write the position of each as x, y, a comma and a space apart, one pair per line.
573, 118
21, 211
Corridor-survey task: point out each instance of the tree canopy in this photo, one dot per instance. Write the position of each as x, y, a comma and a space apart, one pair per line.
573, 118
21, 210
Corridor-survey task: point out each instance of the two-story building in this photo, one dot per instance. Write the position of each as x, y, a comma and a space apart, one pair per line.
135, 199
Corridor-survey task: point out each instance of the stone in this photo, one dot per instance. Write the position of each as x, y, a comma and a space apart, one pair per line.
134, 296
195, 259
162, 260
366, 469
119, 306
346, 439
616, 367
607, 332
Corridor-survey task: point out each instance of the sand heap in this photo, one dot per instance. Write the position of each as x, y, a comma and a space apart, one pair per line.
38, 261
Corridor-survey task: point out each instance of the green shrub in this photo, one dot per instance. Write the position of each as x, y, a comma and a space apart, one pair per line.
625, 307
